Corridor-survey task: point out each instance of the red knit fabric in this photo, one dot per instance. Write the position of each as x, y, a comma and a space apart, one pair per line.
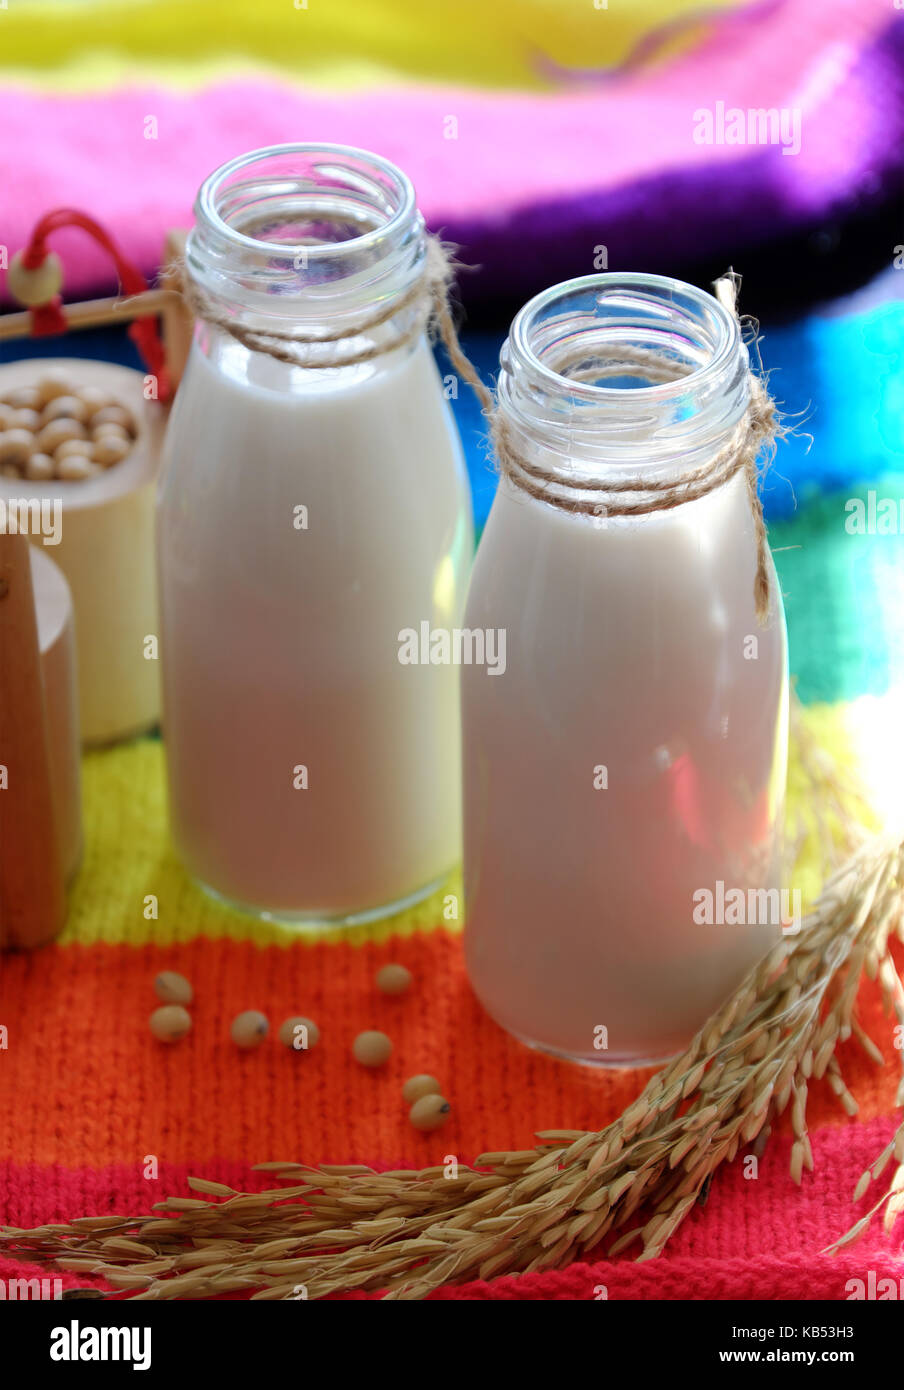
88, 1096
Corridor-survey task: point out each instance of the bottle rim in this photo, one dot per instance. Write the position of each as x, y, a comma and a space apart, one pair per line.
662, 289
304, 190
681, 323
208, 205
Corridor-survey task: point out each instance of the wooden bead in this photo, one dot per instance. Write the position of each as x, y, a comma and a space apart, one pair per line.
173, 988
372, 1049
34, 287
114, 415
16, 446
249, 1029
70, 407
40, 468
6, 415
393, 979
170, 1023
109, 451
430, 1112
58, 432
299, 1033
416, 1087
52, 385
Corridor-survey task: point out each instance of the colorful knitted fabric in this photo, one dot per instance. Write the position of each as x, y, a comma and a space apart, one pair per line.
539, 134
530, 183
87, 1096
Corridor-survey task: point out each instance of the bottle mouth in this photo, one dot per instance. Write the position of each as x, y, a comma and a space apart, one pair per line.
306, 196
621, 362
305, 222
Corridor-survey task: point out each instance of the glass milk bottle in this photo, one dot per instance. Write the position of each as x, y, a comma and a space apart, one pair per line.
309, 511
632, 756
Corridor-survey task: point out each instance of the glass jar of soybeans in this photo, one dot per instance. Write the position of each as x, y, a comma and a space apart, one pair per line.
313, 505
624, 776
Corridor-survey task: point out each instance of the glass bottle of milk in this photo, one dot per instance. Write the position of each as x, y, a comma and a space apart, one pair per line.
624, 776
308, 514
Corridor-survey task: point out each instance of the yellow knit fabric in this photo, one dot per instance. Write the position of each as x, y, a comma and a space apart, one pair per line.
83, 44
129, 859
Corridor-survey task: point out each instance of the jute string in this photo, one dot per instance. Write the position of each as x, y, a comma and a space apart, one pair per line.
758, 427
428, 297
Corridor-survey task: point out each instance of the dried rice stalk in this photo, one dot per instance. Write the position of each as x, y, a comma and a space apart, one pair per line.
406, 1233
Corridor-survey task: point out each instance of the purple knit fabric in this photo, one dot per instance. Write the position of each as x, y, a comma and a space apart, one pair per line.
534, 183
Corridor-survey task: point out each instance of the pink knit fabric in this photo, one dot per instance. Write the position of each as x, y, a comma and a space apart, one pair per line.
781, 1229
513, 152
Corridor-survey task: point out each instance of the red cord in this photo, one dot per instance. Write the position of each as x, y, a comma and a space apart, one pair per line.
49, 318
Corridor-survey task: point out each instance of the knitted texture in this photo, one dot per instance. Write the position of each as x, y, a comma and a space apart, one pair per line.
330, 45
90, 1104
527, 183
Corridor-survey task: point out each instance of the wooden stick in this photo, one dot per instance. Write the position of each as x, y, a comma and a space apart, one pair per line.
93, 312
178, 320
32, 895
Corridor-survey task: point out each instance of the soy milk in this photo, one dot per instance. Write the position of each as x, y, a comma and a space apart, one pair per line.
631, 758
306, 516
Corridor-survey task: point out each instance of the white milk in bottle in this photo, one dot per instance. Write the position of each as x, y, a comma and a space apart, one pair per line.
307, 515
631, 758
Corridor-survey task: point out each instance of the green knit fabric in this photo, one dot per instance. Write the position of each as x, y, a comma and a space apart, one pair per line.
844, 597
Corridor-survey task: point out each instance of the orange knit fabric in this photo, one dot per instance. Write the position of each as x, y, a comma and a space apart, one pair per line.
84, 1083
87, 1095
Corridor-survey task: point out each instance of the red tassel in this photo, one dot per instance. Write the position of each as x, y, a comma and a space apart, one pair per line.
48, 319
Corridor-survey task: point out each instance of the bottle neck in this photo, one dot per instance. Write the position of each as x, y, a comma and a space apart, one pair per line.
310, 239
622, 377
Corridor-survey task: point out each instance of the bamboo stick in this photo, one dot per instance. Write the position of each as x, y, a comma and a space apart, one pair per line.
94, 312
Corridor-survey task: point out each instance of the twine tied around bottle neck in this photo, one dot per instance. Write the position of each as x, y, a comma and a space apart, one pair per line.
427, 298
759, 427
